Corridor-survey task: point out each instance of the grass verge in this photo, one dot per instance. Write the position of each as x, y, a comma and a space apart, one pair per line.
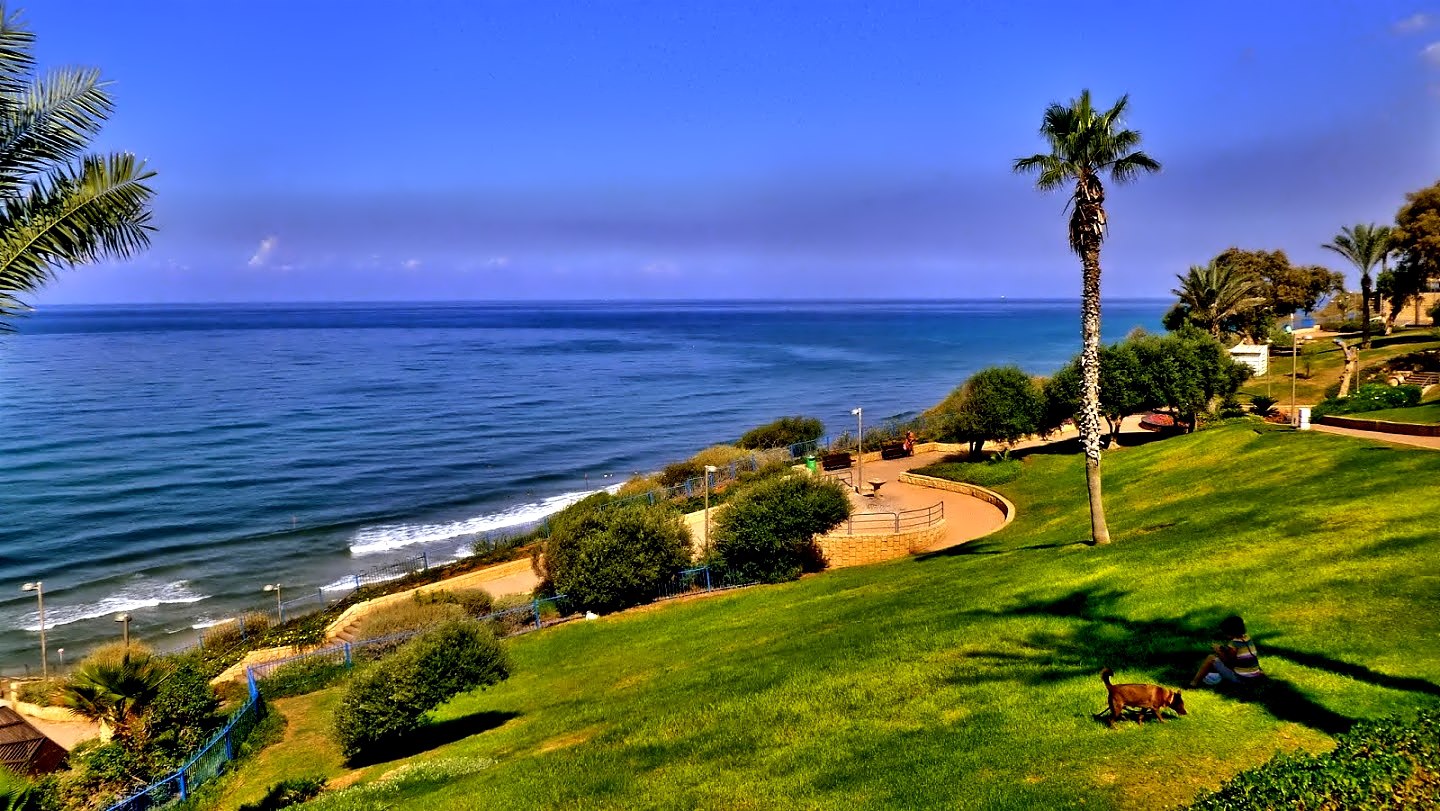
968, 678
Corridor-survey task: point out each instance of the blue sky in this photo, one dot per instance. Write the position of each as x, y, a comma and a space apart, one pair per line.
316, 150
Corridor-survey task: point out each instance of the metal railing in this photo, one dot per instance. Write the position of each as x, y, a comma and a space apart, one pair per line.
876, 523
700, 579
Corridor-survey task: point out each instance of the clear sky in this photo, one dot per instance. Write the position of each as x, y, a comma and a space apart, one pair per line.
317, 150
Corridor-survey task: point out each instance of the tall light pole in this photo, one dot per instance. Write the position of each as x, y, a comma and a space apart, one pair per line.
39, 588
1294, 352
124, 620
709, 469
859, 445
61, 653
279, 609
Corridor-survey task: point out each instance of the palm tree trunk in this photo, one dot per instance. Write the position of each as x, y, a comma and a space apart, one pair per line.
1088, 418
1365, 310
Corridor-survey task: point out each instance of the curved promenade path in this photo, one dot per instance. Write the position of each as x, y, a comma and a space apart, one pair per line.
966, 517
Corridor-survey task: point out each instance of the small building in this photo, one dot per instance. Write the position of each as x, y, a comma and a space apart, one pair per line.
1256, 356
25, 749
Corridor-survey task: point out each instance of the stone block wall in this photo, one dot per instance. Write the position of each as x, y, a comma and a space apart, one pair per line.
842, 550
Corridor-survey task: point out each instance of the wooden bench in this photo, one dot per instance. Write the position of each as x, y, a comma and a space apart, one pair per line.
893, 451
835, 461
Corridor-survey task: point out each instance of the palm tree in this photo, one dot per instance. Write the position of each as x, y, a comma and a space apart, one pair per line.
1215, 293
116, 693
1085, 144
1365, 246
59, 205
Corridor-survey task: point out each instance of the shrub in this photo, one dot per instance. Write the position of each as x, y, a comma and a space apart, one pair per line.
1389, 763
767, 532
185, 711
407, 615
677, 473
474, 602
43, 692
1229, 407
287, 793
304, 676
1000, 404
389, 700
611, 559
783, 433
1370, 397
1262, 405
984, 474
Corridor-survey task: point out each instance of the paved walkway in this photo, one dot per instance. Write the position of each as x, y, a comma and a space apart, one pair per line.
966, 517
1429, 442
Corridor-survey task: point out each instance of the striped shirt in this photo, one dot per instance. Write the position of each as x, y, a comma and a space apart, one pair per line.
1247, 661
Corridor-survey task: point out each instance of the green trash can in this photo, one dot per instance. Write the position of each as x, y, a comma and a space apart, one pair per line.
810, 462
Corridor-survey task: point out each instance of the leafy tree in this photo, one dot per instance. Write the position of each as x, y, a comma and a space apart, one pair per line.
1398, 287
1216, 295
1084, 145
767, 532
185, 711
60, 205
1365, 246
1122, 388
1416, 238
612, 558
1185, 371
1000, 404
783, 433
116, 694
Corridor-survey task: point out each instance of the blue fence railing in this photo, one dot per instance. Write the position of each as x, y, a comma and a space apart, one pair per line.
699, 580
207, 763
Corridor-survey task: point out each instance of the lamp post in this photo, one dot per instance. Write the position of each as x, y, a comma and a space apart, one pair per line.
61, 653
1294, 352
279, 609
709, 469
859, 445
124, 620
39, 588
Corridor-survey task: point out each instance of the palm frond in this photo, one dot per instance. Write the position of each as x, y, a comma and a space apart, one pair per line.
100, 211
17, 57
52, 121
1129, 167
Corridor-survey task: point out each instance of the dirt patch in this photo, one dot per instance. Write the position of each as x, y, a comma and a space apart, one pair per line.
567, 741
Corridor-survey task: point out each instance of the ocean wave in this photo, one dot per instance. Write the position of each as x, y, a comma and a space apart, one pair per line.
389, 537
140, 593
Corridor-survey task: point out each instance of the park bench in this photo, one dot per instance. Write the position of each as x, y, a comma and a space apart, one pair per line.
894, 450
835, 461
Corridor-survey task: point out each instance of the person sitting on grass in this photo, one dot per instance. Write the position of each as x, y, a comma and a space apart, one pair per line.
1235, 661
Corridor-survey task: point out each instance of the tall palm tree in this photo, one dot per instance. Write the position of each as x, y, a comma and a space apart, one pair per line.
116, 693
1215, 293
60, 205
1086, 144
1365, 246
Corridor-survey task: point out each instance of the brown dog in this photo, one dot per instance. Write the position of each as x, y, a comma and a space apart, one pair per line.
1151, 697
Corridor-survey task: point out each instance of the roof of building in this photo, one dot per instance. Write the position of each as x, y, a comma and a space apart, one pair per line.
25, 749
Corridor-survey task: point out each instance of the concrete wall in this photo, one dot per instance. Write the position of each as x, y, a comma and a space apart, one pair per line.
973, 490
1403, 428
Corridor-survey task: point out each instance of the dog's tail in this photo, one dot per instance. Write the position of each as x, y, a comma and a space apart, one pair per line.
1105, 675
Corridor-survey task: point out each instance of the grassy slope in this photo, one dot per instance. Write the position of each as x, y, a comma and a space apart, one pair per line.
969, 679
1426, 413
1326, 364
303, 751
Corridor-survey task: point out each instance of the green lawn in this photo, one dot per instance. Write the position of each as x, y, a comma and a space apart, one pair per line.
1425, 414
969, 679
1327, 363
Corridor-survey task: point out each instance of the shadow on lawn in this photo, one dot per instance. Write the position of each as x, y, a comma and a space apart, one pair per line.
1170, 648
437, 734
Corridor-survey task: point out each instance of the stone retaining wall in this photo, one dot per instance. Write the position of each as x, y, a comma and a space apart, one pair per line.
856, 550
1402, 428
973, 490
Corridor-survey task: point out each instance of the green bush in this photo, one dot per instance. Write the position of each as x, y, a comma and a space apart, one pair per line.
783, 433
605, 560
984, 474
185, 711
767, 532
44, 692
1391, 763
389, 700
1262, 405
304, 676
677, 473
1369, 397
287, 793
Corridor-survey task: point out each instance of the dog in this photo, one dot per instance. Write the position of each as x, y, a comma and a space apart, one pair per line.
1150, 697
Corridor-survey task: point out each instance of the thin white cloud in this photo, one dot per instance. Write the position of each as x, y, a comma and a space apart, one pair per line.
410, 264
263, 252
1432, 53
660, 269
497, 261
1415, 22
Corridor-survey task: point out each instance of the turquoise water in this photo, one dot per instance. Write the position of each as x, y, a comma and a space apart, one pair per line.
170, 461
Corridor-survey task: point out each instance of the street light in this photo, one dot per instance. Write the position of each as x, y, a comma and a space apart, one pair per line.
124, 620
859, 445
61, 653
709, 469
39, 588
279, 609
1294, 351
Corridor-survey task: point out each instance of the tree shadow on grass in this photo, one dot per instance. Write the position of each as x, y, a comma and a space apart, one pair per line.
437, 734
981, 546
1169, 648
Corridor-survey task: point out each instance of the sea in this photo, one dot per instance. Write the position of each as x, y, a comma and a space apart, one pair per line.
170, 461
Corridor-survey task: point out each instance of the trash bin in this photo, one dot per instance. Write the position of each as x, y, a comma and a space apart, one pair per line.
810, 462
1304, 418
